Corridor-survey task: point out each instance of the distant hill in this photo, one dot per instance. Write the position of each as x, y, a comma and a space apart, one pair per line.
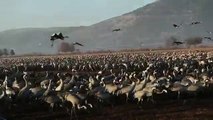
29, 40
145, 27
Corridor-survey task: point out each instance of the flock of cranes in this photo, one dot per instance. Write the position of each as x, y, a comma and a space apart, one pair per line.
192, 23
60, 36
88, 81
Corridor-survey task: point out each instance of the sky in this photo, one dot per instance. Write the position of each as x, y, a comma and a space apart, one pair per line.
61, 13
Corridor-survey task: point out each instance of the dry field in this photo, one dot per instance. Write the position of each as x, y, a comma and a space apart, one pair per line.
206, 49
199, 109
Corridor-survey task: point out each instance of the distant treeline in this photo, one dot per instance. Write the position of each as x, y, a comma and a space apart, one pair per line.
191, 41
6, 52
66, 47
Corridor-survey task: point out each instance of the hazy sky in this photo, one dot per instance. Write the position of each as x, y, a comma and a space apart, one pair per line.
49, 13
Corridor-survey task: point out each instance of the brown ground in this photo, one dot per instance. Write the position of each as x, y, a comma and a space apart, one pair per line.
190, 109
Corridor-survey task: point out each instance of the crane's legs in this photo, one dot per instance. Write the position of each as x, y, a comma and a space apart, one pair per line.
52, 43
73, 111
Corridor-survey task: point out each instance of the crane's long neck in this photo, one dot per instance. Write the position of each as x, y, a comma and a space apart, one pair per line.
48, 89
72, 79
26, 84
2, 94
5, 82
47, 75
17, 70
59, 88
15, 83
49, 86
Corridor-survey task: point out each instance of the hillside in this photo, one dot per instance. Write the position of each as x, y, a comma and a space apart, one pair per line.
150, 25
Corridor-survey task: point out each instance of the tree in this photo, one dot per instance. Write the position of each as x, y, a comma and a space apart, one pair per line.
5, 51
12, 52
1, 52
72, 47
193, 41
66, 47
170, 41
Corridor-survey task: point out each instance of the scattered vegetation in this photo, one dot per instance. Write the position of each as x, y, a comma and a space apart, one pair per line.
6, 52
193, 41
170, 42
66, 47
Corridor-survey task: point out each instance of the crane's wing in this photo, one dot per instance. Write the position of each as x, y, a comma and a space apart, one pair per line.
118, 29
174, 42
176, 26
177, 42
76, 43
60, 35
195, 23
53, 36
